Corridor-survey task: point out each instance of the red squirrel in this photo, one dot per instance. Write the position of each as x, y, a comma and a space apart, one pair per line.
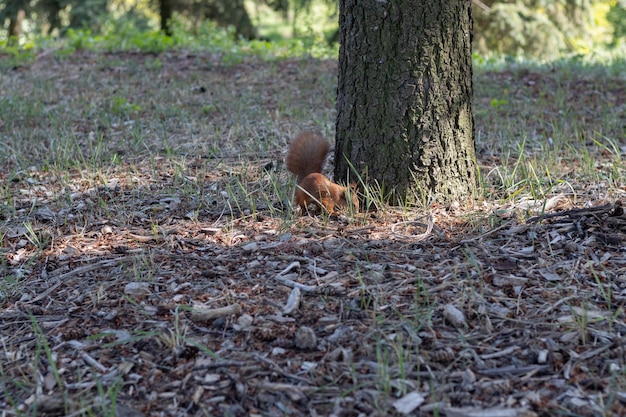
305, 158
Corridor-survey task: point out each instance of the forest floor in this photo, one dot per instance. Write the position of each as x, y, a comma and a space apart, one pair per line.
151, 263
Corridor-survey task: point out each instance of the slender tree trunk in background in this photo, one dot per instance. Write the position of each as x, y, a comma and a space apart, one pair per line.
404, 109
15, 12
15, 26
166, 10
51, 9
237, 14
86, 15
232, 12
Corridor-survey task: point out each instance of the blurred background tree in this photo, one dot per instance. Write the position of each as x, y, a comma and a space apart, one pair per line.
223, 12
617, 18
534, 28
13, 15
541, 28
46, 16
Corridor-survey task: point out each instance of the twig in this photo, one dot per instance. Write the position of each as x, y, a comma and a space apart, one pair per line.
279, 370
80, 270
293, 284
573, 213
219, 364
415, 238
200, 313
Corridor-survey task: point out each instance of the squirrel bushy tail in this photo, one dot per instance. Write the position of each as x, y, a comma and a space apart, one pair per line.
307, 153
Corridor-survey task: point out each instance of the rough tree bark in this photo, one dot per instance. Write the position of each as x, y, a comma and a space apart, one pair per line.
404, 111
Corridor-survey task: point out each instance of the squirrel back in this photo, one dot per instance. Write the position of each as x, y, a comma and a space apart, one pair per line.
306, 154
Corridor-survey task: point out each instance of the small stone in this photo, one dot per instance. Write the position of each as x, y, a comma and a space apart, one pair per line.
137, 289
245, 321
250, 247
305, 338
453, 315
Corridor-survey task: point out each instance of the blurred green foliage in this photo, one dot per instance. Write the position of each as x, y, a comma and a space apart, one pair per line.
546, 28
617, 18
529, 28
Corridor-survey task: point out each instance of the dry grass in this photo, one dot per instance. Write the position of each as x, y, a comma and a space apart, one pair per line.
141, 192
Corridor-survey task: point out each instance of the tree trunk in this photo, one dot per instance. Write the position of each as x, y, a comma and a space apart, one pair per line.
232, 12
51, 10
15, 12
404, 109
165, 11
86, 15
15, 26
